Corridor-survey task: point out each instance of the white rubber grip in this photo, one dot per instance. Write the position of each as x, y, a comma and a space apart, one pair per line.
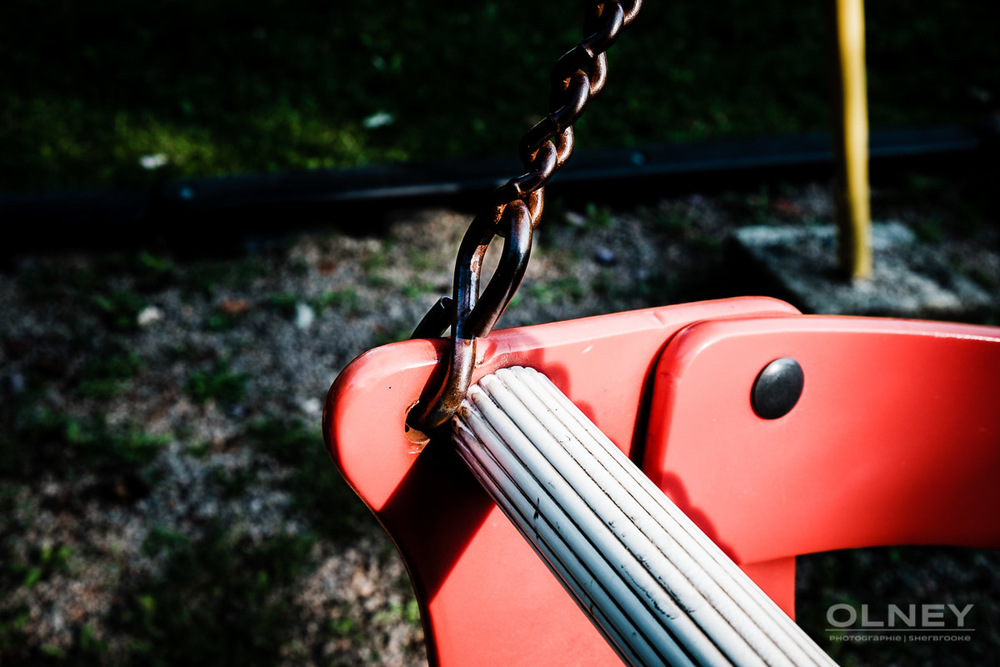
657, 588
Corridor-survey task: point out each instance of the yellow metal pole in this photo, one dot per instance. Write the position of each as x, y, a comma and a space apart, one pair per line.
853, 210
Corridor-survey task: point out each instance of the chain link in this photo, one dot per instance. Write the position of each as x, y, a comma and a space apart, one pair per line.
515, 210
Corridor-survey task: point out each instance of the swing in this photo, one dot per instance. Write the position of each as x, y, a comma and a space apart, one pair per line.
636, 486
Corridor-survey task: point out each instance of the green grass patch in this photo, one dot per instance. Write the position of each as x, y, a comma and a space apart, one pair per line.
346, 298
417, 289
13, 638
206, 277
13, 619
199, 450
119, 309
218, 322
303, 86
150, 271
383, 336
567, 288
929, 231
104, 377
374, 261
217, 384
41, 439
673, 223
219, 600
285, 304
185, 352
317, 489
42, 562
596, 217
232, 483
409, 612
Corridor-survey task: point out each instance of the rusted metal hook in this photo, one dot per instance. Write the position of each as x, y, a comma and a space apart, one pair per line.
473, 315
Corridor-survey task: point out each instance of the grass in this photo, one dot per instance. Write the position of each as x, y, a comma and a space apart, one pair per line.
219, 384
115, 306
596, 217
417, 288
221, 321
285, 304
232, 483
119, 309
318, 491
149, 271
382, 335
34, 435
43, 561
255, 86
567, 288
205, 278
346, 298
105, 376
219, 600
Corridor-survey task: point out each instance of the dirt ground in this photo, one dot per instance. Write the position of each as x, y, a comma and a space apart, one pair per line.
164, 495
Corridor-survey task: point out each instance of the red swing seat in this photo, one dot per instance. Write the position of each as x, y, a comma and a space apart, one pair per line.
895, 440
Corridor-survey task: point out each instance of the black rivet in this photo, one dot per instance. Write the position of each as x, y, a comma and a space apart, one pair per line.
777, 388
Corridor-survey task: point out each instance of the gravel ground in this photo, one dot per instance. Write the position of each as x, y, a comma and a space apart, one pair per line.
163, 491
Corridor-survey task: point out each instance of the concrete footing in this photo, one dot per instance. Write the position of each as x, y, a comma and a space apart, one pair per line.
798, 264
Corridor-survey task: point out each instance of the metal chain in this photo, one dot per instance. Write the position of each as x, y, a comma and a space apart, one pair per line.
514, 211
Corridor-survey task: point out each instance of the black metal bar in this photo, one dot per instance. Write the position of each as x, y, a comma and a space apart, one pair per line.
469, 176
257, 198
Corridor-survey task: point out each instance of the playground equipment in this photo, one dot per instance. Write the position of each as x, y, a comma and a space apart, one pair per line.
895, 439
639, 484
850, 140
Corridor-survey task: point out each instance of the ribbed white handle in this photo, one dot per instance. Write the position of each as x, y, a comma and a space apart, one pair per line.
657, 588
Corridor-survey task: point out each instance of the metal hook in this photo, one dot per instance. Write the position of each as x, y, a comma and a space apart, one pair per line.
473, 314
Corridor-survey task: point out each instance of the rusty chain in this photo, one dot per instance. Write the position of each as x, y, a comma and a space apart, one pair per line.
515, 210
